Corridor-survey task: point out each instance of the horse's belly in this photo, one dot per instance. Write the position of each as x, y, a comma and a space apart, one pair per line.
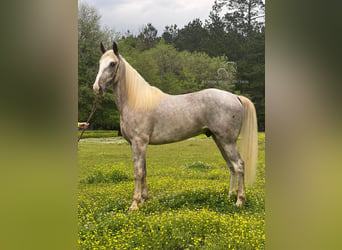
176, 126
174, 135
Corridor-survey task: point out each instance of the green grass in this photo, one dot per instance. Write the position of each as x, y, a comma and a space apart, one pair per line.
98, 133
188, 208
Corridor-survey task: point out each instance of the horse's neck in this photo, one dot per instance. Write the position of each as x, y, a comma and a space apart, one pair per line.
119, 92
133, 92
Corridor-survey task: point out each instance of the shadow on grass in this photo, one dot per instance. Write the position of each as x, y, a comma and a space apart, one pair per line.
216, 201
99, 176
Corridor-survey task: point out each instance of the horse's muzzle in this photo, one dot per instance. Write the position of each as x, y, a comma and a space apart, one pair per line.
100, 90
97, 89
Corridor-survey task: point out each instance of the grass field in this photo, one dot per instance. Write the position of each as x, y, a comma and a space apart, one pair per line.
98, 133
188, 208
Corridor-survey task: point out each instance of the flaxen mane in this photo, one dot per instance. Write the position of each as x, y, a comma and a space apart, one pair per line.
140, 94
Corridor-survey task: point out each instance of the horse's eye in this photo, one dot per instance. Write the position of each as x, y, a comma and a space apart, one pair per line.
112, 64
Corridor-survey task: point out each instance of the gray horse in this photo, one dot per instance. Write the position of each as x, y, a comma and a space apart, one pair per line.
150, 116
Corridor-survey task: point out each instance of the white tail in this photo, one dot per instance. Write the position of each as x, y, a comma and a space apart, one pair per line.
249, 140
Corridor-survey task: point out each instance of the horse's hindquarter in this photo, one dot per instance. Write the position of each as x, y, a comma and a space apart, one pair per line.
180, 117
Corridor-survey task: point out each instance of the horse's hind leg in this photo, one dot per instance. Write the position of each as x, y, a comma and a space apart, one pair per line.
233, 174
233, 159
233, 182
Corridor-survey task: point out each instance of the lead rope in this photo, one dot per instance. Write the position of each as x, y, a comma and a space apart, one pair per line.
96, 100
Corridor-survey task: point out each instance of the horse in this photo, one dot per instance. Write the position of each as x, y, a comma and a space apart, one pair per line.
150, 116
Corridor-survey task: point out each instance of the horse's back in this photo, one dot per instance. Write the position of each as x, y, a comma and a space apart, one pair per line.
224, 99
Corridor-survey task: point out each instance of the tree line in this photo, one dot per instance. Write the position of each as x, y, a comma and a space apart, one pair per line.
227, 51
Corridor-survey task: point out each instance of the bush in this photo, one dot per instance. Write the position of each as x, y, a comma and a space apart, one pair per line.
198, 165
99, 176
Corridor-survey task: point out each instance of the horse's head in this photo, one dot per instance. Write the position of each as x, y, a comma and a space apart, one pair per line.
108, 68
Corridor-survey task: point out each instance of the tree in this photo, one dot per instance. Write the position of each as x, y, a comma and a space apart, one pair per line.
169, 66
251, 72
90, 34
184, 72
243, 33
148, 37
242, 15
191, 37
170, 34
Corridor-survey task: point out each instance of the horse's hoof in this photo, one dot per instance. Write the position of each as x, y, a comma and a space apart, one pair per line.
144, 198
239, 203
134, 207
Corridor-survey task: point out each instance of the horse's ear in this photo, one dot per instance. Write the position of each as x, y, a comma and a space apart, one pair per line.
102, 48
115, 49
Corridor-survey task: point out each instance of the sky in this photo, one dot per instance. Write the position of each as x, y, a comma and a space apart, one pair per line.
123, 15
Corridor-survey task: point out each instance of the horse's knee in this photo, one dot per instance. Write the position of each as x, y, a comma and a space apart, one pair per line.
241, 167
231, 168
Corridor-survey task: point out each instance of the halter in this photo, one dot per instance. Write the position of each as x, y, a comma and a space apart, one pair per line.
117, 68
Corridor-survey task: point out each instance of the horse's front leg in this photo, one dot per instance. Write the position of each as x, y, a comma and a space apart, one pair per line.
139, 154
